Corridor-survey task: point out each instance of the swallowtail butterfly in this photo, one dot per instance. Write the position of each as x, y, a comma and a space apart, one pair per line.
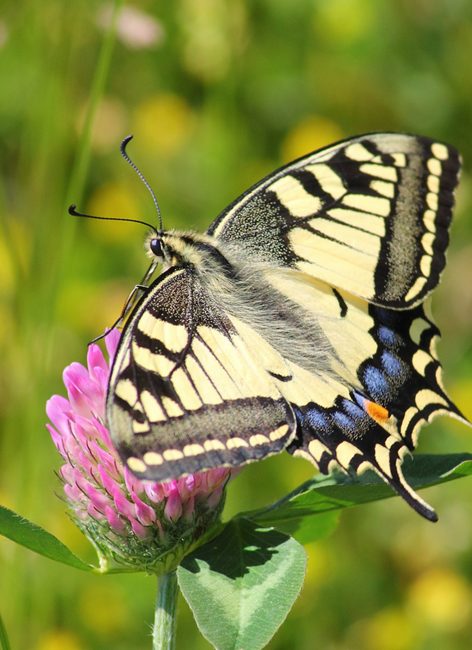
297, 321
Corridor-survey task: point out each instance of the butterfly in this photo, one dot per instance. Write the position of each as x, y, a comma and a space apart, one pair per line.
296, 322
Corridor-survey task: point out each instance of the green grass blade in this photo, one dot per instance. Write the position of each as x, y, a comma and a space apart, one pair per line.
76, 184
4, 642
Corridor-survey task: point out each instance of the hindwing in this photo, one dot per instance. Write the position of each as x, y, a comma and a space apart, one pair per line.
369, 215
383, 382
389, 384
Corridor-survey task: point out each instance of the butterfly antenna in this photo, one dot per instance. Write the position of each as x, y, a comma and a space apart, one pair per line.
75, 213
123, 146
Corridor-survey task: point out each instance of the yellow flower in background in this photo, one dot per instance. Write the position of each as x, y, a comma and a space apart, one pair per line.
15, 251
389, 629
461, 393
60, 640
320, 564
456, 297
214, 34
114, 200
313, 132
162, 124
100, 305
114, 618
65, 529
344, 21
441, 599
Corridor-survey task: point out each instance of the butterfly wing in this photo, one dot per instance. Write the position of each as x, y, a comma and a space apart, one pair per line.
383, 384
185, 392
369, 215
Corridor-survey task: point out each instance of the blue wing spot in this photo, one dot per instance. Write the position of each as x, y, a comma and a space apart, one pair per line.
376, 383
353, 410
313, 418
344, 422
316, 419
392, 364
388, 337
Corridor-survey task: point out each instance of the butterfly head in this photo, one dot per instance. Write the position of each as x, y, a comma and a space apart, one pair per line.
156, 247
173, 248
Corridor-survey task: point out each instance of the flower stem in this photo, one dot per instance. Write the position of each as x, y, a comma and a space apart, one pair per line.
163, 633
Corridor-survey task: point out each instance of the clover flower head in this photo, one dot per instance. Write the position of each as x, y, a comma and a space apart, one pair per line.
140, 524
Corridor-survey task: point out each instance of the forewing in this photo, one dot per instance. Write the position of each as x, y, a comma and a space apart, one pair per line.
369, 215
185, 392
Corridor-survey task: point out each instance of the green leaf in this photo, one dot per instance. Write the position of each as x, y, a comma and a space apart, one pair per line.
4, 642
242, 584
297, 521
320, 497
24, 532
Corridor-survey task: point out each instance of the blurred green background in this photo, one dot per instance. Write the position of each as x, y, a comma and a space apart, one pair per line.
217, 93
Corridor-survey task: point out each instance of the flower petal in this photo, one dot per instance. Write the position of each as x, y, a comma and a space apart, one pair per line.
138, 529
154, 491
116, 522
145, 514
123, 506
96, 360
173, 507
112, 340
59, 411
57, 440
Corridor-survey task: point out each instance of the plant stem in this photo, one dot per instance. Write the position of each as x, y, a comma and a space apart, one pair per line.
79, 170
4, 643
97, 90
163, 633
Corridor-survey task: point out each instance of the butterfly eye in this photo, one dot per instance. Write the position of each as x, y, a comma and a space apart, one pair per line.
156, 247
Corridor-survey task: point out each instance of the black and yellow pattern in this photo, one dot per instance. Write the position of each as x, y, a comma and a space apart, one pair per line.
296, 322
369, 215
182, 393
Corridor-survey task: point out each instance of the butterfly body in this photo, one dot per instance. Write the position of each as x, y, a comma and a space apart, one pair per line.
296, 322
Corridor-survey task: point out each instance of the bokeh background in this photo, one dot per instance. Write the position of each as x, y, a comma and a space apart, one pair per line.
217, 93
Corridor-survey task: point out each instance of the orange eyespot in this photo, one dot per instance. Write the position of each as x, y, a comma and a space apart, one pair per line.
376, 411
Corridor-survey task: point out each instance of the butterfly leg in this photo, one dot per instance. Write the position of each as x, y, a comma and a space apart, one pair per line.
129, 304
